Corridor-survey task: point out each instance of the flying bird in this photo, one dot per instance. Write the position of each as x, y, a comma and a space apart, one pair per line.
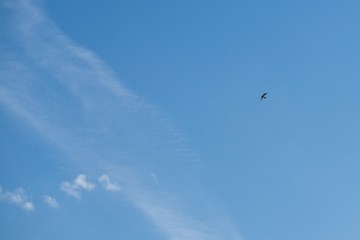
263, 96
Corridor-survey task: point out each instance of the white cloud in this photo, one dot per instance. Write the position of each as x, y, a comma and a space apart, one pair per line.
50, 201
70, 189
82, 183
28, 206
73, 188
19, 198
108, 185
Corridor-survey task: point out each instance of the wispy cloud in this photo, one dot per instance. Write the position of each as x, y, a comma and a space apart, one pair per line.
50, 201
176, 224
72, 98
108, 185
73, 188
19, 198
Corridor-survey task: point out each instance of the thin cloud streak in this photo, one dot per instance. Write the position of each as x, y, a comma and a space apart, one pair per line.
97, 118
177, 225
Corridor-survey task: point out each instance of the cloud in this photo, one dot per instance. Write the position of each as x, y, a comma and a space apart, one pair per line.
19, 198
74, 187
81, 182
50, 201
74, 100
175, 224
108, 185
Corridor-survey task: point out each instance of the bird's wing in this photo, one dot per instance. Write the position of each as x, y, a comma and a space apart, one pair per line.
263, 96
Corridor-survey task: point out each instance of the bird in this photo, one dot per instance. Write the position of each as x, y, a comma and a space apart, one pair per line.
263, 96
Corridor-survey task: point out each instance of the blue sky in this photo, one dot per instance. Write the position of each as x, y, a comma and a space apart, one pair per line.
143, 120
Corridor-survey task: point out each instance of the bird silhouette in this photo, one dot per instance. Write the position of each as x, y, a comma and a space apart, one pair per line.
263, 96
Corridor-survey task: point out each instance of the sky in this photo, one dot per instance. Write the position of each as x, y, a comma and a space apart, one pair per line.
143, 120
